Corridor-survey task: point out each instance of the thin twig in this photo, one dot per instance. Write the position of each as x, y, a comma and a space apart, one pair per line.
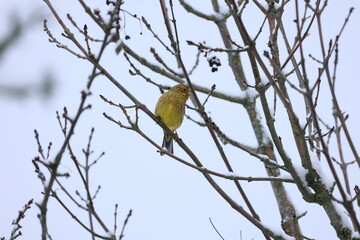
115, 218
59, 44
200, 46
80, 30
148, 26
54, 194
40, 150
124, 225
207, 98
212, 224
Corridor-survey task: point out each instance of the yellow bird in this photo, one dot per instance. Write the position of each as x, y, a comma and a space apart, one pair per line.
170, 109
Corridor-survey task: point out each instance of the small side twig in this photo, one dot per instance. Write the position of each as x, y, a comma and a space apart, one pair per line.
80, 30
138, 72
212, 224
207, 98
200, 46
16, 230
54, 194
40, 149
124, 225
159, 59
357, 194
52, 39
115, 218
148, 26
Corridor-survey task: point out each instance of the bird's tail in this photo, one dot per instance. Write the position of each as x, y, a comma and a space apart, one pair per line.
168, 143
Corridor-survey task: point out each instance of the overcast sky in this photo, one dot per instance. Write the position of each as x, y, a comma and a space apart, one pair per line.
168, 199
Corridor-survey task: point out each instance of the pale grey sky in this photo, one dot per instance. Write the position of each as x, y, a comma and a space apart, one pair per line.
169, 200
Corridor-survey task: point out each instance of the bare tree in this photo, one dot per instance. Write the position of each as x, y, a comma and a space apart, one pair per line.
261, 86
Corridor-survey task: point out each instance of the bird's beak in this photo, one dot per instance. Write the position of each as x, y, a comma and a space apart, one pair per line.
188, 93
